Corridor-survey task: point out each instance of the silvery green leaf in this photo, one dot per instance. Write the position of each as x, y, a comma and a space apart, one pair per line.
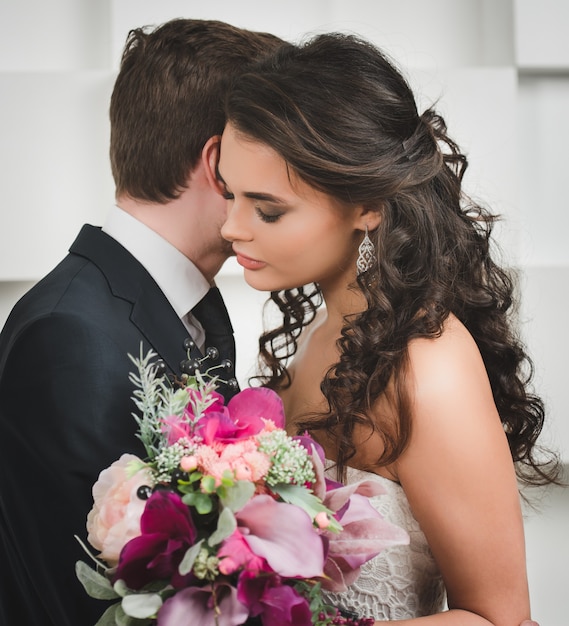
226, 524
178, 401
96, 585
120, 588
238, 495
300, 496
108, 618
201, 501
187, 563
141, 605
122, 619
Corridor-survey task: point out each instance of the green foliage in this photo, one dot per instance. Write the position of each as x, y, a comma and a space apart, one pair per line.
305, 499
236, 496
290, 461
154, 398
142, 605
226, 524
115, 616
202, 502
191, 555
322, 614
96, 585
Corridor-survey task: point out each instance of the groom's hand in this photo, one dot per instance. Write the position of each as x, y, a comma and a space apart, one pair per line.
529, 622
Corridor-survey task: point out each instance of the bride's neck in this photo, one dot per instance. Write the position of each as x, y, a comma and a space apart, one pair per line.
342, 301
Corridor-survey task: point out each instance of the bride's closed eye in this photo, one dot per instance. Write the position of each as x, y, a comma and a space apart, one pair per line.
268, 217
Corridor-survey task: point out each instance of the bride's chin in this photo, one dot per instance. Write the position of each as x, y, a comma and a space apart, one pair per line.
265, 283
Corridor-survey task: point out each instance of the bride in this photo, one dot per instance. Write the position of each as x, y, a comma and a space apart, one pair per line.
339, 191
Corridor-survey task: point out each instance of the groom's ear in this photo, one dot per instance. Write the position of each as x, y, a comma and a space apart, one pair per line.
210, 159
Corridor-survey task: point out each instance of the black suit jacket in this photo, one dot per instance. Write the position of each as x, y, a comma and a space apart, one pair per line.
66, 414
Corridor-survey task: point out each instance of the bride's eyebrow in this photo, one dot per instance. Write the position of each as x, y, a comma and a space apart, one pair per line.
254, 195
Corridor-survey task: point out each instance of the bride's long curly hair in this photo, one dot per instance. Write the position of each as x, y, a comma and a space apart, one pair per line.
346, 122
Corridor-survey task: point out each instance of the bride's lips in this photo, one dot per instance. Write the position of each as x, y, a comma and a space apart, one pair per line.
248, 263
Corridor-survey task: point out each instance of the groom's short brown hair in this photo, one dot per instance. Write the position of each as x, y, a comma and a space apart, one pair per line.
168, 100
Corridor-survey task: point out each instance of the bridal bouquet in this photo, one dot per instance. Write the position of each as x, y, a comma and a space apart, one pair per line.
229, 520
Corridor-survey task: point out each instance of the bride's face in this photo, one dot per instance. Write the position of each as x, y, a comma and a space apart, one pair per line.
285, 233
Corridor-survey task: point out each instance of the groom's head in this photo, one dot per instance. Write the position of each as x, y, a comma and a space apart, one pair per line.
168, 101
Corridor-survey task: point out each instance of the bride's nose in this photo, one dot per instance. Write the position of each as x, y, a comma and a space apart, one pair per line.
235, 226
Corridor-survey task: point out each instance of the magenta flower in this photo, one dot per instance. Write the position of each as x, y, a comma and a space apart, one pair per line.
257, 402
283, 535
276, 604
175, 428
235, 554
243, 417
195, 606
197, 396
167, 531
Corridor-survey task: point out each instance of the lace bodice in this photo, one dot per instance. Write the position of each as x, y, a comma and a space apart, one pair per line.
403, 581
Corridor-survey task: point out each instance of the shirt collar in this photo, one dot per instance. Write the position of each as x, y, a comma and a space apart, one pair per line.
180, 280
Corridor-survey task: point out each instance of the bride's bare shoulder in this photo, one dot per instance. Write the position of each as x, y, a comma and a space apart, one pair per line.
449, 365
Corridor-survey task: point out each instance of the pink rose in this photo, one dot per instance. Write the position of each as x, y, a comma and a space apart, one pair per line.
115, 517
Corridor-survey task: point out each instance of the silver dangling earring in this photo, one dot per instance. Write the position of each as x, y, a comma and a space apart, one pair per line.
366, 256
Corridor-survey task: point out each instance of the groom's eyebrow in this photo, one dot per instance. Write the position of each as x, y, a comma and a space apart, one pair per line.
253, 195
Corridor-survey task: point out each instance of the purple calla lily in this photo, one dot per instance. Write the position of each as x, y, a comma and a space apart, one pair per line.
283, 535
195, 606
365, 533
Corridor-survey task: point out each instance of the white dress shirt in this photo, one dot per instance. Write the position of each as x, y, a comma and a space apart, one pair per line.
180, 280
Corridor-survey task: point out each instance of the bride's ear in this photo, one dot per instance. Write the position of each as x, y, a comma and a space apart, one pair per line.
210, 159
365, 216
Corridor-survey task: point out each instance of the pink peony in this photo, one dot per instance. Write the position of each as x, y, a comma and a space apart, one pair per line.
115, 516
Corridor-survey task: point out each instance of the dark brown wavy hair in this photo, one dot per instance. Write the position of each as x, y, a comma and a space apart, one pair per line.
345, 121
168, 100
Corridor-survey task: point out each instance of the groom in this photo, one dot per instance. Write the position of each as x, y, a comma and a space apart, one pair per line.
65, 395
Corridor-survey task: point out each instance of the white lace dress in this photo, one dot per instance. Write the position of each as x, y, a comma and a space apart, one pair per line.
403, 581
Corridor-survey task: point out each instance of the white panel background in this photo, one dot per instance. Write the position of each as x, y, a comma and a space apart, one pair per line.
498, 70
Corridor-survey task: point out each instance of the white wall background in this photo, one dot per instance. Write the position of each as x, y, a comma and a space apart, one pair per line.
499, 70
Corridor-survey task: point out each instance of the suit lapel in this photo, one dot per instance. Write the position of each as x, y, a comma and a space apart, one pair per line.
161, 326
151, 313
